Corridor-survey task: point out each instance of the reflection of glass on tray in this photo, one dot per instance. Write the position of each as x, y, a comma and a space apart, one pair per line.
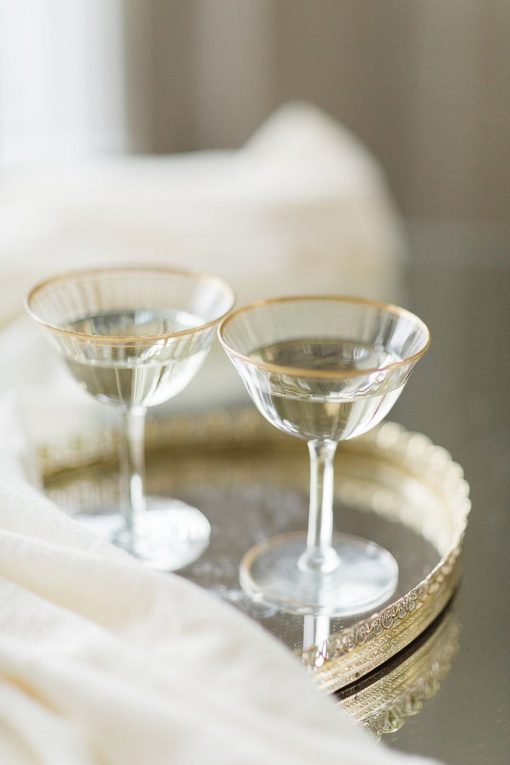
251, 481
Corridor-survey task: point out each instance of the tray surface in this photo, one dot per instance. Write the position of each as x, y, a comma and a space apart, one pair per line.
390, 486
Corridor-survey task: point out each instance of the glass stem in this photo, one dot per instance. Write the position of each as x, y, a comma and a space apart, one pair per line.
319, 555
132, 473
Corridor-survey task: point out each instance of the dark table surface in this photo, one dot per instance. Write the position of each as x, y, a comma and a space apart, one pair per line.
459, 396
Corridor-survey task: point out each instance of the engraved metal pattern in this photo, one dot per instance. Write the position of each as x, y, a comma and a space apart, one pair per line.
384, 705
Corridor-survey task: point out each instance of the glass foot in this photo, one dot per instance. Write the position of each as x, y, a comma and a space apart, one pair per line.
366, 576
172, 534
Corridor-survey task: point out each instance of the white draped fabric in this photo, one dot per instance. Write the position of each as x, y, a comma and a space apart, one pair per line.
103, 662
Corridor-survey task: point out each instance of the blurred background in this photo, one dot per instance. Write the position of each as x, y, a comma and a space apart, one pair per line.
288, 145
425, 85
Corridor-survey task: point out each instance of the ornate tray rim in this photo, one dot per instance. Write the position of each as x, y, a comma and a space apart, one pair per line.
383, 704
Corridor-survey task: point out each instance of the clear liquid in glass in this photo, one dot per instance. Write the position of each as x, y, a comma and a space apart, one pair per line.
322, 408
140, 374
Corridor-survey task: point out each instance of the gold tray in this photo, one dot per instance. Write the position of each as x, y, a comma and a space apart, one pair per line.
392, 486
384, 700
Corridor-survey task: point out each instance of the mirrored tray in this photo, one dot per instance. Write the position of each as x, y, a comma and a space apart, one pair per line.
392, 486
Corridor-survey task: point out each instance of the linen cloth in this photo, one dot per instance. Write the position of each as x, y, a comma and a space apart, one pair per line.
103, 662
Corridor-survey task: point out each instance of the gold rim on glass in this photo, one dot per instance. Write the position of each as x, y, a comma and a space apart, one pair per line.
127, 339
323, 373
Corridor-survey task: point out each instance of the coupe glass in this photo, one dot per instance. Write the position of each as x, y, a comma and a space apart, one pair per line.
133, 337
323, 369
